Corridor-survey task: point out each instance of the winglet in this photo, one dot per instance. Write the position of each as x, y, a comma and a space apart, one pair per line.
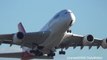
21, 28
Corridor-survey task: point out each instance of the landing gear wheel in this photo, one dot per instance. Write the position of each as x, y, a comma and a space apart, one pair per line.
69, 31
62, 52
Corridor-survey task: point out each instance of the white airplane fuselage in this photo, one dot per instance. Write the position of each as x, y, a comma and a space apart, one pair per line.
58, 25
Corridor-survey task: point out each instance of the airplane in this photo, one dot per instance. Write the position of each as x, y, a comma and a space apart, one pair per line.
56, 34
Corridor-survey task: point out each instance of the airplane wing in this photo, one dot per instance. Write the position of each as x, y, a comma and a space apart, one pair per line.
6, 38
23, 38
28, 38
74, 40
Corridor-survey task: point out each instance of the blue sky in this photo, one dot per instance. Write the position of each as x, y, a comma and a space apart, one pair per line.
34, 14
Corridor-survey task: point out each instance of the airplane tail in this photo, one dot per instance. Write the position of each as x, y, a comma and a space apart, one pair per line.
21, 28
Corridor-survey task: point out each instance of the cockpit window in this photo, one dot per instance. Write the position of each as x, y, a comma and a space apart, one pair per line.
56, 16
66, 12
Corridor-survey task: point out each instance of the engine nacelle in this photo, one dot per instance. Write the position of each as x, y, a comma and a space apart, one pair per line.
104, 43
88, 39
17, 38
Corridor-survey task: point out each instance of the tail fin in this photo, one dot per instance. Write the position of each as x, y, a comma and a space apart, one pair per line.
21, 28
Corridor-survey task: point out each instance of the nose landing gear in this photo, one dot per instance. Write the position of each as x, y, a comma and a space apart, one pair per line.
36, 49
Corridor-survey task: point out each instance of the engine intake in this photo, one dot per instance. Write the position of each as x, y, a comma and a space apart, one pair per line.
88, 39
18, 37
104, 43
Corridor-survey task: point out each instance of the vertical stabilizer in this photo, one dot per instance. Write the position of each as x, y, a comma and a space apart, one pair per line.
21, 28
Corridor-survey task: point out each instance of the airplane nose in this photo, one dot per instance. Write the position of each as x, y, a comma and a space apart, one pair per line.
68, 10
71, 15
68, 15
73, 18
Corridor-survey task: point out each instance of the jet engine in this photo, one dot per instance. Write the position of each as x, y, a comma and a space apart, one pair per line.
88, 39
17, 38
104, 43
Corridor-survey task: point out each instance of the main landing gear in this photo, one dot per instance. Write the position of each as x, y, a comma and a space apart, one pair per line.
62, 52
36, 52
34, 45
51, 54
36, 49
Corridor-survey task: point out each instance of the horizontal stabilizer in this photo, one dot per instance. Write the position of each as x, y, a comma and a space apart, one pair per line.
19, 55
